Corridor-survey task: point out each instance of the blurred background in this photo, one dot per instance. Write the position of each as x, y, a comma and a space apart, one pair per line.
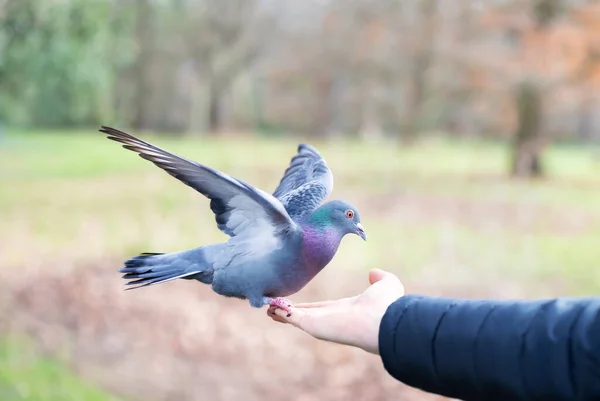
466, 133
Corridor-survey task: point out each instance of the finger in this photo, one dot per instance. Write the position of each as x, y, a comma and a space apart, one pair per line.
329, 324
376, 275
387, 280
321, 304
278, 318
296, 317
271, 313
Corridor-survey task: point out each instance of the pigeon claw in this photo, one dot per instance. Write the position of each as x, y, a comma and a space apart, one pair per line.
280, 303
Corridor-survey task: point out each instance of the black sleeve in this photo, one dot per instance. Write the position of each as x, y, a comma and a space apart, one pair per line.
494, 350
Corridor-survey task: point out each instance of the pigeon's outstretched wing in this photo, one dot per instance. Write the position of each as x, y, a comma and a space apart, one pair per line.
306, 184
240, 209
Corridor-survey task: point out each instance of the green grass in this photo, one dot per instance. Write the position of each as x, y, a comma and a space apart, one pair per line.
76, 197
27, 376
440, 212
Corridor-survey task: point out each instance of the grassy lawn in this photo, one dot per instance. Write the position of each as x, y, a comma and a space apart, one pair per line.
441, 212
70, 198
27, 376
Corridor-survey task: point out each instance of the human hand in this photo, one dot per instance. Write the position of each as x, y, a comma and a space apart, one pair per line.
350, 321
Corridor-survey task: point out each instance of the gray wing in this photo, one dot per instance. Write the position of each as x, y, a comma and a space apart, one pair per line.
306, 183
240, 210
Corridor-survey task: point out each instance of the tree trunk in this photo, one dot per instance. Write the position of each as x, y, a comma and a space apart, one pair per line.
529, 139
215, 111
325, 123
144, 32
414, 116
370, 128
529, 142
423, 56
585, 122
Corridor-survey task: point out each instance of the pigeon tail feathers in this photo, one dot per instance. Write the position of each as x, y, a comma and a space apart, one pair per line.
149, 269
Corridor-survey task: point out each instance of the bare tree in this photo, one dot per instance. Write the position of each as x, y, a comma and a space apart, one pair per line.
531, 96
223, 38
422, 53
145, 32
529, 139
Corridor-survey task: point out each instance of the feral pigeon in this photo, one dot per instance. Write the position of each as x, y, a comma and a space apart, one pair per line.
277, 243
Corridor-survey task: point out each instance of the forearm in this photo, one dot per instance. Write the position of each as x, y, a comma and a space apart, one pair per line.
490, 350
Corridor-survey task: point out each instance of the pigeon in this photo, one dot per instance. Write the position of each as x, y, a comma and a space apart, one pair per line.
277, 243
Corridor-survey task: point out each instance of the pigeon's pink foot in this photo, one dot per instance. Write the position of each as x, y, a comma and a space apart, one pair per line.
280, 303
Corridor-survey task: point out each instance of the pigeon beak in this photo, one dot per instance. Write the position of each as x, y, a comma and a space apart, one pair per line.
360, 231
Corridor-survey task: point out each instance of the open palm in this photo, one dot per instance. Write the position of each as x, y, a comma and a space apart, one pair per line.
351, 321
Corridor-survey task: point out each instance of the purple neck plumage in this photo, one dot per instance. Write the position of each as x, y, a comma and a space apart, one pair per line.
319, 246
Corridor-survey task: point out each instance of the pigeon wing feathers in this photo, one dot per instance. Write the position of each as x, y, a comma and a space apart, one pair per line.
239, 208
306, 183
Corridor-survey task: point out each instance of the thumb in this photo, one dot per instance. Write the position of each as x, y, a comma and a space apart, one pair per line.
376, 275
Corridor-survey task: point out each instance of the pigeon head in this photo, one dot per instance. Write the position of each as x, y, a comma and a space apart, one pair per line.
340, 215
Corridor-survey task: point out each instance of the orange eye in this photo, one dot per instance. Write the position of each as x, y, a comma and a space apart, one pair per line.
349, 214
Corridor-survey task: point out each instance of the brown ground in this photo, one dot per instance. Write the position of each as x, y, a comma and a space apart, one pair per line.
180, 341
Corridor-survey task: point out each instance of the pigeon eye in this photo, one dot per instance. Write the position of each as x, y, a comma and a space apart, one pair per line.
349, 214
